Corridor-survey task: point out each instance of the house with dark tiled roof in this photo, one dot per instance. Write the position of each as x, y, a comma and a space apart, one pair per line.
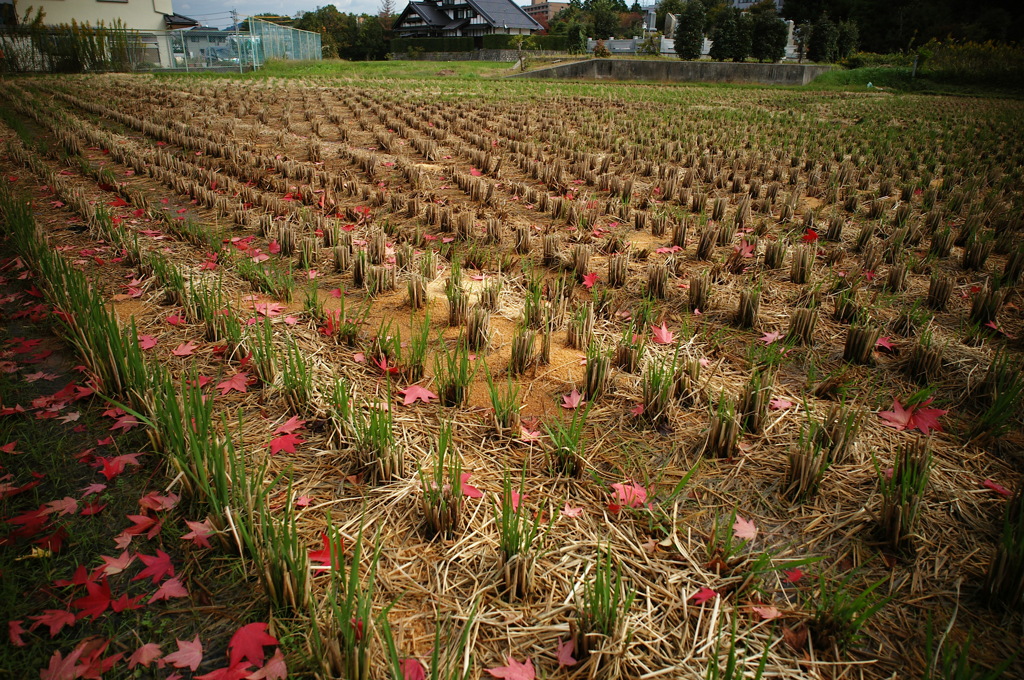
457, 18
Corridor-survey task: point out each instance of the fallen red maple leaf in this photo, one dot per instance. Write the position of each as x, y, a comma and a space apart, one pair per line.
467, 488
793, 575
237, 382
54, 619
157, 566
412, 669
285, 442
96, 602
703, 595
916, 417
382, 364
416, 392
323, 556
514, 670
589, 280
234, 671
248, 642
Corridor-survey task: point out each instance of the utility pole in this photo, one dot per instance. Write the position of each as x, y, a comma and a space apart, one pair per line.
238, 43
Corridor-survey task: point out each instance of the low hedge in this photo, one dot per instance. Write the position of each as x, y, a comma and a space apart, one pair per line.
433, 44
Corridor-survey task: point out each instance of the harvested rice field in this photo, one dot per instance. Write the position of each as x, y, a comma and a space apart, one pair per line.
476, 378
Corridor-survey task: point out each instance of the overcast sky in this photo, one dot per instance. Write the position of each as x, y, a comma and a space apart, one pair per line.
216, 12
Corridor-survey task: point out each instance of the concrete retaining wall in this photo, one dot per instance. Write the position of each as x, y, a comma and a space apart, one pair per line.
510, 56
681, 71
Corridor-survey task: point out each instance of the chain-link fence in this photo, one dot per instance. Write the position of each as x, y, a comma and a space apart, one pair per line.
84, 49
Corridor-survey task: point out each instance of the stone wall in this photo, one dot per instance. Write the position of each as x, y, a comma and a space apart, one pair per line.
681, 71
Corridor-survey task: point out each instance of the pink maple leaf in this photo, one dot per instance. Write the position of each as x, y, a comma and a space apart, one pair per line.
200, 533
662, 335
274, 669
172, 587
467, 488
998, 488
780, 404
184, 349
769, 338
268, 309
572, 400
15, 631
145, 655
236, 383
61, 668
766, 613
147, 342
157, 503
189, 655
115, 565
412, 669
514, 670
898, 418
744, 529
412, 393
125, 423
565, 650
883, 344
703, 595
630, 495
810, 236
290, 425
570, 511
589, 280
285, 442
65, 506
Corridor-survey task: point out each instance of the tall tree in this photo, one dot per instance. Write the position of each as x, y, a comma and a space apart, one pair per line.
577, 37
847, 38
604, 17
768, 32
727, 38
824, 42
387, 14
689, 37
